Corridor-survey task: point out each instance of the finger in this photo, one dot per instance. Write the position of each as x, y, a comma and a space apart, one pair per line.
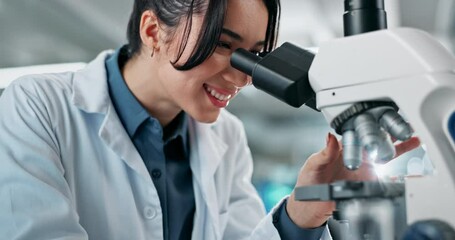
332, 150
407, 146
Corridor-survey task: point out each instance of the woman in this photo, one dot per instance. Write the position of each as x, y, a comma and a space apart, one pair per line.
138, 145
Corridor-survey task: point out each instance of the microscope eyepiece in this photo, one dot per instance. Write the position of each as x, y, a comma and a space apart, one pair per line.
282, 73
363, 16
351, 5
244, 61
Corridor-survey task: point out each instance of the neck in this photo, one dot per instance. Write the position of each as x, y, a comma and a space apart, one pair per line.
140, 74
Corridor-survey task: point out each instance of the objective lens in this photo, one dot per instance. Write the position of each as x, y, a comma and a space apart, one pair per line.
394, 124
386, 150
376, 142
368, 132
352, 150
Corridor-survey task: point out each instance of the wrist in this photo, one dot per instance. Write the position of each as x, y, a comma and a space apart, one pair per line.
308, 214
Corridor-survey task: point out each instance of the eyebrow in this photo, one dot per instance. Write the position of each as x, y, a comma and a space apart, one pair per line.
232, 34
237, 37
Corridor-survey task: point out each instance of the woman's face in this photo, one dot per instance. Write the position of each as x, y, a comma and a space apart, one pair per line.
204, 90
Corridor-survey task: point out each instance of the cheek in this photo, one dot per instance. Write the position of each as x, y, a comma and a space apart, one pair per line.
209, 70
186, 85
181, 84
216, 64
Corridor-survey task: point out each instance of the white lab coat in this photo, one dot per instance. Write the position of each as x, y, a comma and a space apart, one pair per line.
68, 169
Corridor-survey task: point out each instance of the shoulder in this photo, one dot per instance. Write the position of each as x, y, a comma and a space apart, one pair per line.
41, 86
61, 83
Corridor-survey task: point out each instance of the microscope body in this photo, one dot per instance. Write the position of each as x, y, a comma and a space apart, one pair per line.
359, 83
408, 68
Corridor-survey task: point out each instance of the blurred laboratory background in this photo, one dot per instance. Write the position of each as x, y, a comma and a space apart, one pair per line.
39, 33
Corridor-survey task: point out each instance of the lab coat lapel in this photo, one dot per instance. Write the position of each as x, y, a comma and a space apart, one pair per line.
91, 94
207, 151
116, 137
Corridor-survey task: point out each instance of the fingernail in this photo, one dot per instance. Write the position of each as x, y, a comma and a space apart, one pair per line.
327, 140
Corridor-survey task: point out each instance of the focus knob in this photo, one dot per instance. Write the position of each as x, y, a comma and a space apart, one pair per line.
429, 230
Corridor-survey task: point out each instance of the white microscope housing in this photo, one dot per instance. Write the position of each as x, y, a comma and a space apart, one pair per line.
409, 68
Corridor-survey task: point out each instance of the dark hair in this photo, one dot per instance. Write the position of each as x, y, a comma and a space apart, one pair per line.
172, 12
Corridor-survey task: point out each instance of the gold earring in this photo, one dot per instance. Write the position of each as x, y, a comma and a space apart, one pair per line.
153, 52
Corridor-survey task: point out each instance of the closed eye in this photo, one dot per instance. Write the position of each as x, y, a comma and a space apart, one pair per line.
224, 45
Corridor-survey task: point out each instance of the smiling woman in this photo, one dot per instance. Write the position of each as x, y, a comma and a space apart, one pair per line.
139, 138
199, 80
138, 144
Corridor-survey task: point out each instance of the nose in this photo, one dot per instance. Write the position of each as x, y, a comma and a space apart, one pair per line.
237, 78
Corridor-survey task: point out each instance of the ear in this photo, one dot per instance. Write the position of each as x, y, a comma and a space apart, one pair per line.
149, 31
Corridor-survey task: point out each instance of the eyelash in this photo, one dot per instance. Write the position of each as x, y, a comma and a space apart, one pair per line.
229, 47
224, 45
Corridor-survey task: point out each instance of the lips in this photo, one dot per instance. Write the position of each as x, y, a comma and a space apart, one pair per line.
218, 97
216, 94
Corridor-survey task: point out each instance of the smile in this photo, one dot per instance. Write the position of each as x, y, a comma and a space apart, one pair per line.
216, 94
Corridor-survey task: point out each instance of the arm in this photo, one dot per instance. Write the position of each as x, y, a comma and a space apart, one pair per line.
35, 200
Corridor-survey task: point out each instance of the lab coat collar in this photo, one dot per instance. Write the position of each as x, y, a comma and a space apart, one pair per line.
90, 90
91, 94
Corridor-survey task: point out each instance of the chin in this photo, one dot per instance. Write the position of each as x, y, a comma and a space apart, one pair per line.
206, 117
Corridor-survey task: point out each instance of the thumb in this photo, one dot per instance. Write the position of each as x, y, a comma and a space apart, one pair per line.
332, 150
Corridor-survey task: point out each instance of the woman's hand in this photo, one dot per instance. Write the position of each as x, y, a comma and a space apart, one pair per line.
327, 166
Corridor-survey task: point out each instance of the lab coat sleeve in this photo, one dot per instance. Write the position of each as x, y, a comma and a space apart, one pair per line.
35, 199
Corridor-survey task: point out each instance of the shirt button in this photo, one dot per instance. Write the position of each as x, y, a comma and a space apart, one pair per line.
156, 173
275, 218
149, 213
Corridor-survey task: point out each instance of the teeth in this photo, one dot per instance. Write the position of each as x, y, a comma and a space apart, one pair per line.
217, 95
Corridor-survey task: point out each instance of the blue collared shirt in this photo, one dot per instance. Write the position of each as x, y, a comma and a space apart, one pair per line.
166, 155
165, 152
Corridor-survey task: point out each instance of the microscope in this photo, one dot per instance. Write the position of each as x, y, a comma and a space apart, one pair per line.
364, 83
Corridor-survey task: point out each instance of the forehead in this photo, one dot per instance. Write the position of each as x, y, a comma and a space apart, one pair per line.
248, 18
